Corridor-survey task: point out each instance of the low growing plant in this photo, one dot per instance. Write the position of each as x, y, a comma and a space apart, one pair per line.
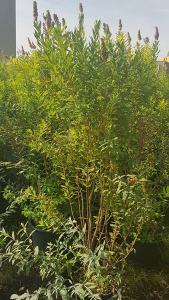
67, 269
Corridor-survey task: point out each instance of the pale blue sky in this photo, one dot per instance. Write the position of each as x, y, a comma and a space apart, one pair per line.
135, 14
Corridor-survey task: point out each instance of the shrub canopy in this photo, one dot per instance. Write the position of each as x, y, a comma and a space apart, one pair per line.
78, 113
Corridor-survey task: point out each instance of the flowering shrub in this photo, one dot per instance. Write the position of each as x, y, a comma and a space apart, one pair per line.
85, 122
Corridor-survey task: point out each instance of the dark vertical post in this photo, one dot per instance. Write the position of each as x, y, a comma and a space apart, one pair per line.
8, 27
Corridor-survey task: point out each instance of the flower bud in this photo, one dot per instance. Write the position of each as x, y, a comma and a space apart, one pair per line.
146, 40
139, 35
120, 25
55, 18
35, 11
31, 44
48, 20
156, 36
129, 37
81, 8
63, 22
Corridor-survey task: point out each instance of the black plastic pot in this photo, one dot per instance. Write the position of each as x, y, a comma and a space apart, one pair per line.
148, 254
108, 296
40, 237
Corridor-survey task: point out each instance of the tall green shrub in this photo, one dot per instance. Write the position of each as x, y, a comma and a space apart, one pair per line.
84, 129
78, 113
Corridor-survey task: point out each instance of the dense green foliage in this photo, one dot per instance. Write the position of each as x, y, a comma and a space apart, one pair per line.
84, 128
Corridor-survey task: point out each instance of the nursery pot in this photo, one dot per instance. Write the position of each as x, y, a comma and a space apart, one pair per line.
111, 296
148, 254
108, 296
41, 237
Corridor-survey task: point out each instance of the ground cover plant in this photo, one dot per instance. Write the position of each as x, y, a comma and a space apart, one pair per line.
83, 137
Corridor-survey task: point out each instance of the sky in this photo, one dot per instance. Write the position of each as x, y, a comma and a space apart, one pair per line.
135, 14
